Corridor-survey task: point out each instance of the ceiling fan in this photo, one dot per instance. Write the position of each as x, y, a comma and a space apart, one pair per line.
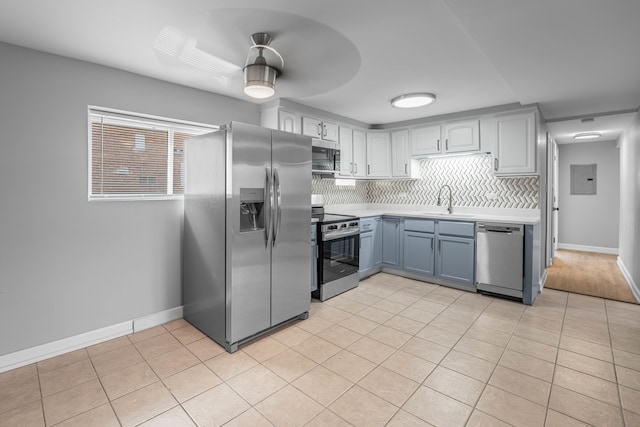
262, 66
318, 57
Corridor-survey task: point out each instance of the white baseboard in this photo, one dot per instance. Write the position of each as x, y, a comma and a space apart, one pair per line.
584, 248
65, 345
156, 319
543, 280
632, 285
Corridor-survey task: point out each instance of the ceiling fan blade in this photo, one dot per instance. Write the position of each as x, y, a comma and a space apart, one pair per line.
174, 42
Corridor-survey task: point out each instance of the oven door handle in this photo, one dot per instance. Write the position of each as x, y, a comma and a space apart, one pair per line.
334, 236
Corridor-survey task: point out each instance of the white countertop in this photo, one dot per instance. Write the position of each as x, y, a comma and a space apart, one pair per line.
502, 215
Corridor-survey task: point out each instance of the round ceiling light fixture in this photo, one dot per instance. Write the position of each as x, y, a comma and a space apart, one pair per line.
587, 135
413, 100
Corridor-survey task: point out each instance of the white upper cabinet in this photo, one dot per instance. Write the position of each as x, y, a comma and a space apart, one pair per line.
514, 145
378, 155
425, 140
400, 154
288, 122
461, 136
346, 151
318, 129
359, 154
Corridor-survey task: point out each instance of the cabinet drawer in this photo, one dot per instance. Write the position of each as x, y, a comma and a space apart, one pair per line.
453, 228
368, 224
424, 225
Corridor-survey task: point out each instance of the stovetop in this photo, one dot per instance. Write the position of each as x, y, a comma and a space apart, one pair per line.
330, 218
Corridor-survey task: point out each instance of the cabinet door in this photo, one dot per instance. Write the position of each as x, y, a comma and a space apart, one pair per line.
366, 251
377, 242
456, 258
425, 140
400, 154
346, 151
418, 252
515, 145
288, 122
462, 136
329, 131
391, 250
378, 155
359, 154
311, 127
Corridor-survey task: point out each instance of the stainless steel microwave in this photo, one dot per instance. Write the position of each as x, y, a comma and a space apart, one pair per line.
325, 156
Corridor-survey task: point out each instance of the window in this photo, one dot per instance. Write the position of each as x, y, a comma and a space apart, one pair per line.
133, 156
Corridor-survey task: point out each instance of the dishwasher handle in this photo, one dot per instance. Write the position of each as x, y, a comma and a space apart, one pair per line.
499, 228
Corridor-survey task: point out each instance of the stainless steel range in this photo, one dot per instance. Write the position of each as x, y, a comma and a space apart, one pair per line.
338, 254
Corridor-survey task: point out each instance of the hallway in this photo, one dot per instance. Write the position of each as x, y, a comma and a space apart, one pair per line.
589, 273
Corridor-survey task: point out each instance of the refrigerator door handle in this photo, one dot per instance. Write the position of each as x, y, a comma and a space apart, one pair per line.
267, 210
277, 207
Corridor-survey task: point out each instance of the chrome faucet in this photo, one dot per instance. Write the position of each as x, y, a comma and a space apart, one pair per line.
450, 208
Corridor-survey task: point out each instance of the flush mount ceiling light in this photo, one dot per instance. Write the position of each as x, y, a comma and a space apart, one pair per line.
413, 100
260, 74
587, 135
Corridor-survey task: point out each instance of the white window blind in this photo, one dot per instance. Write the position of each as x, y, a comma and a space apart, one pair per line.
135, 156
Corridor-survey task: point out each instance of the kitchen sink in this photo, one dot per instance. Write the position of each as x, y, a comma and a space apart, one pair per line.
448, 215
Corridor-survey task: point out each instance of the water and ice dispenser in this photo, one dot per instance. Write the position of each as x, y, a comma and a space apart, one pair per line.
251, 209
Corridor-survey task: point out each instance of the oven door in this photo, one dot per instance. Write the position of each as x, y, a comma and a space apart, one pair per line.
338, 258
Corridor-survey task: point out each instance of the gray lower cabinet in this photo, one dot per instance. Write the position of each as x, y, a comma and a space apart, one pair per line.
391, 238
370, 245
456, 259
419, 246
418, 252
456, 253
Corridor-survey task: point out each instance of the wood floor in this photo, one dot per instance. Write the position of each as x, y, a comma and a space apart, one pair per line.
588, 273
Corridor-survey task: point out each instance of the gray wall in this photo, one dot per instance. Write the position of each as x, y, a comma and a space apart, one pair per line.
630, 200
67, 265
589, 220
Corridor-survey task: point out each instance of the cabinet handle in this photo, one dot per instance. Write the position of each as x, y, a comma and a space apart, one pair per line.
431, 244
439, 245
319, 129
438, 144
446, 144
368, 169
324, 133
405, 169
356, 168
351, 168
495, 163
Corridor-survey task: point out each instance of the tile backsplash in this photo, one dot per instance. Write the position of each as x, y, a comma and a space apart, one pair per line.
470, 177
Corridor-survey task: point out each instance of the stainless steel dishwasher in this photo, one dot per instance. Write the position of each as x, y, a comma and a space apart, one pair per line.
499, 260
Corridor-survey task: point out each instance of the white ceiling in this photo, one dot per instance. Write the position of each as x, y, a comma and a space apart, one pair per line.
575, 58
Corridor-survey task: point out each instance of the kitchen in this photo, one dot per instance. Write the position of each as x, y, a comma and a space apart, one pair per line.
70, 267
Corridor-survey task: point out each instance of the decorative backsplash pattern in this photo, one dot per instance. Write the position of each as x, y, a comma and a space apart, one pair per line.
338, 194
470, 177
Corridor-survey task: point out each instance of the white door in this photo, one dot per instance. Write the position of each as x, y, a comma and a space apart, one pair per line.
555, 207
400, 158
311, 127
346, 151
359, 154
378, 155
462, 136
425, 141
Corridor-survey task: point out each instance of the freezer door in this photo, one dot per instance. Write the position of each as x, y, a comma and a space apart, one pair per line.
291, 253
248, 248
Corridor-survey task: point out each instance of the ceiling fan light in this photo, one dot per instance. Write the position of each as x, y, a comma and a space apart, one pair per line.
413, 100
587, 135
259, 80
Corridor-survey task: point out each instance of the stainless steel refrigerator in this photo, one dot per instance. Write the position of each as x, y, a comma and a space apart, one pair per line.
247, 238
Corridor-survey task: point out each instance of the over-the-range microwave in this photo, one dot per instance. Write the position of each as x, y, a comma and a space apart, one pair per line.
325, 156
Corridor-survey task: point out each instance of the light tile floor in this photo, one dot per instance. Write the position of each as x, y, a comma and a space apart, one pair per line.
391, 352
